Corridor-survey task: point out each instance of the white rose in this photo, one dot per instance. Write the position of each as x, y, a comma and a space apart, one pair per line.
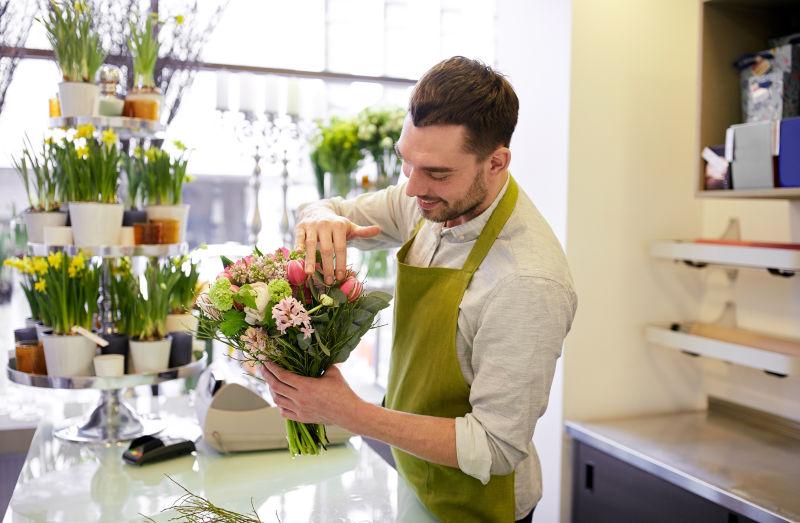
255, 316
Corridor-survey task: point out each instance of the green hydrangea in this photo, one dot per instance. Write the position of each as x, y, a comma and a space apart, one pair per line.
221, 294
278, 290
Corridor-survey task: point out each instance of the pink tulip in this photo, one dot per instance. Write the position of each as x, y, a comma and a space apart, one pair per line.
352, 288
296, 272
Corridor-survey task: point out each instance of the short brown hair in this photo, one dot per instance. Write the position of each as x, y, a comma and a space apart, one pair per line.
461, 91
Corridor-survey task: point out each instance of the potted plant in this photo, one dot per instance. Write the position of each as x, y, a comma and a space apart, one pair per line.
69, 288
144, 99
134, 207
378, 132
32, 271
336, 152
91, 178
148, 308
121, 290
79, 55
180, 318
40, 182
163, 176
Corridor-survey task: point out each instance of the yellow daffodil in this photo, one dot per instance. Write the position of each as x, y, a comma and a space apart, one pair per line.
179, 19
55, 259
179, 145
109, 138
82, 152
39, 265
78, 261
72, 271
85, 131
151, 154
40, 286
137, 152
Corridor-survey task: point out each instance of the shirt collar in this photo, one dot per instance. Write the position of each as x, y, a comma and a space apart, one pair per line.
470, 230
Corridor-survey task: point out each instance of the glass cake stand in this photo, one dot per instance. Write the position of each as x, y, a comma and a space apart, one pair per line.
112, 420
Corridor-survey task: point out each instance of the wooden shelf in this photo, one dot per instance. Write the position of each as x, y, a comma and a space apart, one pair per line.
784, 260
781, 193
768, 361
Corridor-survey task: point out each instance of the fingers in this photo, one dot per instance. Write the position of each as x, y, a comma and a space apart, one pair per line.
300, 238
357, 231
340, 250
280, 377
326, 250
310, 245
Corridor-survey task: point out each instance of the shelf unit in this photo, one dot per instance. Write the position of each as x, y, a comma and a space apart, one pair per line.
731, 28
125, 127
113, 251
775, 363
785, 262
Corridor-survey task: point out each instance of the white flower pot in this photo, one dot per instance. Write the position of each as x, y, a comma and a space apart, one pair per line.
69, 355
150, 356
78, 98
182, 323
95, 224
58, 236
109, 365
35, 222
178, 212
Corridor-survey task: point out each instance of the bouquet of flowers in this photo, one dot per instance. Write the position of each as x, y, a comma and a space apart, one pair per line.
267, 307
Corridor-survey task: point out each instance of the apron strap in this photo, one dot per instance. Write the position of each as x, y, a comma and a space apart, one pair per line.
492, 229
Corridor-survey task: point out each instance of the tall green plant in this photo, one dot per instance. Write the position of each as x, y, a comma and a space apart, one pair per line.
39, 178
335, 146
185, 290
143, 46
161, 175
378, 131
89, 168
75, 43
146, 305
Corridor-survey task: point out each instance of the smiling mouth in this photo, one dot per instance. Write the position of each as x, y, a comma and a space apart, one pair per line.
427, 204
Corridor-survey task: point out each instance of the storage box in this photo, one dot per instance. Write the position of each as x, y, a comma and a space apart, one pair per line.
751, 149
789, 153
770, 83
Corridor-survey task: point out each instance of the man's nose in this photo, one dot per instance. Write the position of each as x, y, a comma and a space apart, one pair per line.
414, 187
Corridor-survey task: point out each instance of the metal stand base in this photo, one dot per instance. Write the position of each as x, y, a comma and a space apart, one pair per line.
111, 421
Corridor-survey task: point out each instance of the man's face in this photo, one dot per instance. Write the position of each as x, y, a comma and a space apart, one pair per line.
448, 182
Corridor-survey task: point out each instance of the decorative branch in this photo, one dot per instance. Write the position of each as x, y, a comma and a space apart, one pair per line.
16, 19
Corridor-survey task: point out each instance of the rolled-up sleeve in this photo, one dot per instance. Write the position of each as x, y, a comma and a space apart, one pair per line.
390, 209
514, 352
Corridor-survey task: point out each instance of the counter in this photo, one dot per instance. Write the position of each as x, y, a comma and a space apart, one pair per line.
745, 468
63, 481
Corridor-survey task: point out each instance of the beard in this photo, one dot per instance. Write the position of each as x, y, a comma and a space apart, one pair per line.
450, 210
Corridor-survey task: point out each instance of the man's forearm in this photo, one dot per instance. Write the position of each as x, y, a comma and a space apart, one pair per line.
427, 437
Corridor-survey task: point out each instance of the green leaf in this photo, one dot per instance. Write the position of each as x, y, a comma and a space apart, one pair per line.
322, 345
302, 342
226, 262
338, 296
246, 296
232, 322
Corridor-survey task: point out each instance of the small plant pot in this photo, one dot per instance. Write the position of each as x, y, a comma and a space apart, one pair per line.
109, 365
35, 222
181, 323
181, 349
78, 98
30, 357
170, 212
117, 344
132, 216
95, 224
42, 330
26, 334
150, 357
69, 355
30, 322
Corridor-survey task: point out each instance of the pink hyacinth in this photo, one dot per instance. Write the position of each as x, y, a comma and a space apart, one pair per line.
255, 340
290, 313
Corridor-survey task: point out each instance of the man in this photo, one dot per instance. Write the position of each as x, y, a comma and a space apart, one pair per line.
483, 302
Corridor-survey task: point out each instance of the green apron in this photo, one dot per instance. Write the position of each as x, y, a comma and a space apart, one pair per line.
425, 376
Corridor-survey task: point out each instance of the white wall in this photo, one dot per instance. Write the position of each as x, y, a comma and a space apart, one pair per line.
533, 42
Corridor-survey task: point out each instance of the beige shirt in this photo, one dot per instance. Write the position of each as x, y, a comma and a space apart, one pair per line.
511, 324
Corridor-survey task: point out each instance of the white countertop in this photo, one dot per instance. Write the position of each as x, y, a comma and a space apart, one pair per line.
69, 482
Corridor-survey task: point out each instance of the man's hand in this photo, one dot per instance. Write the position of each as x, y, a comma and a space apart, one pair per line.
328, 232
328, 400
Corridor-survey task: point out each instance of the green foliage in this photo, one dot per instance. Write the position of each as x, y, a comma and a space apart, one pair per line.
158, 176
144, 303
143, 46
378, 131
185, 290
39, 177
335, 147
75, 42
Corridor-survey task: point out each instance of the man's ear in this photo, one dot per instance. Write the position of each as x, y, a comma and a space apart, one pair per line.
499, 160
